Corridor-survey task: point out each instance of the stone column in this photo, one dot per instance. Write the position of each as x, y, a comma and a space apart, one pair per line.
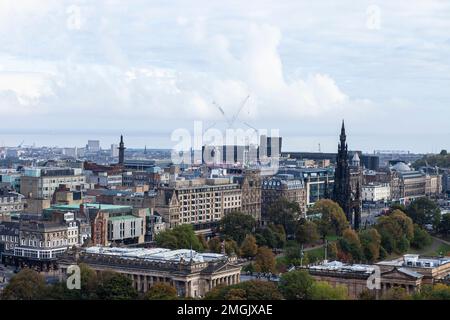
145, 283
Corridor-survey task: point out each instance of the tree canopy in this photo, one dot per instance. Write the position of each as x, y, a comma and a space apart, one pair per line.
179, 237
333, 220
25, 285
236, 225
296, 285
248, 290
286, 213
161, 291
424, 211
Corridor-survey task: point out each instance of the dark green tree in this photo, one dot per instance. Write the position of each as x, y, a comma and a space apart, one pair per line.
306, 232
248, 290
236, 225
179, 237
371, 244
296, 285
421, 238
115, 286
285, 213
444, 225
424, 211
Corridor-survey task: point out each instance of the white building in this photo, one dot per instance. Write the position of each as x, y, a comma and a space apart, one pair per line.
376, 192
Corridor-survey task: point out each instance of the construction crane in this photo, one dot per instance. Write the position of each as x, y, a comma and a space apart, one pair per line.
232, 120
20, 145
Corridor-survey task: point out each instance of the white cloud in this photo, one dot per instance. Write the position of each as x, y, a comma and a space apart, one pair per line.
301, 62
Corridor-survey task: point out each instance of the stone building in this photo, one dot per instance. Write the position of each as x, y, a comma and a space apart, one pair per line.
283, 186
251, 182
353, 277
200, 202
10, 202
192, 274
36, 244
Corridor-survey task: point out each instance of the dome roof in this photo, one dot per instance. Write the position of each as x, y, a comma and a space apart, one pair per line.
401, 167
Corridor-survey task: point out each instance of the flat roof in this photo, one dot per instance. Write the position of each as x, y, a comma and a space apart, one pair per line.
124, 217
90, 205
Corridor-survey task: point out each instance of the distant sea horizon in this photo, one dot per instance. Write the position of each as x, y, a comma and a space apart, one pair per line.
161, 140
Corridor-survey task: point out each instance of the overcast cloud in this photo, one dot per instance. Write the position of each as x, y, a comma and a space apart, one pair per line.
144, 68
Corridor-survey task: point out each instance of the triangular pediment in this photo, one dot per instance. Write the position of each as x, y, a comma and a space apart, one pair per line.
398, 274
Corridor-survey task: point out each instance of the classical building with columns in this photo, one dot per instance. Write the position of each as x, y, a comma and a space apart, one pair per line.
410, 272
193, 274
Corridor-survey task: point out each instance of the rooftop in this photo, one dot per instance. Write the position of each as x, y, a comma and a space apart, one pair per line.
416, 261
74, 207
156, 254
338, 266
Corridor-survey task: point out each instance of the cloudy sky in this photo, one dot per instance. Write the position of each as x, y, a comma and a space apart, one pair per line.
73, 70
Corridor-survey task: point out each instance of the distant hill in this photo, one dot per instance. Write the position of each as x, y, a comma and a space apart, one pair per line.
442, 160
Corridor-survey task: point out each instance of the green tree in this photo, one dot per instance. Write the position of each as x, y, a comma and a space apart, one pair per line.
396, 293
421, 238
333, 220
248, 290
236, 294
161, 291
285, 213
25, 285
231, 248
296, 285
272, 236
179, 237
444, 225
88, 283
438, 291
371, 244
265, 260
215, 245
332, 251
236, 225
396, 230
322, 290
351, 245
367, 294
424, 211
249, 249
306, 232
115, 286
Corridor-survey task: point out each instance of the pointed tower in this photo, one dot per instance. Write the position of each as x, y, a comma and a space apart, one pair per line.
121, 151
342, 188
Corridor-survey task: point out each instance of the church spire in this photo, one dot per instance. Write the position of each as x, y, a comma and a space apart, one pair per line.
343, 136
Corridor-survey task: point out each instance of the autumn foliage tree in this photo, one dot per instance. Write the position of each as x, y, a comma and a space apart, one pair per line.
333, 220
371, 244
265, 260
350, 245
161, 291
249, 248
25, 285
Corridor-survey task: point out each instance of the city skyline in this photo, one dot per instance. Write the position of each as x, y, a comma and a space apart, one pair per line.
76, 70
